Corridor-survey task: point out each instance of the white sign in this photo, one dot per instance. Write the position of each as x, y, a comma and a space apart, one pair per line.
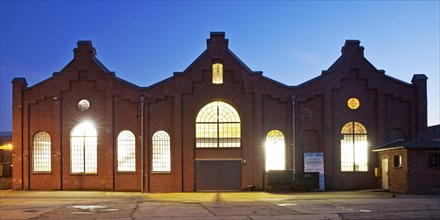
314, 162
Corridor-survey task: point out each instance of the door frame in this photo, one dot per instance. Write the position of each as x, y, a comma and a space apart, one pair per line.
385, 178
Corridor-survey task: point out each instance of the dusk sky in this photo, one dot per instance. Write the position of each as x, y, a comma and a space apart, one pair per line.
144, 42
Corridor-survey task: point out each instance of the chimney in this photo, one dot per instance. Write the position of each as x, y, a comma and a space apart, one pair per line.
84, 49
217, 41
352, 48
419, 81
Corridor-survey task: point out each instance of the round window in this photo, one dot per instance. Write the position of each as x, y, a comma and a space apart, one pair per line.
353, 103
83, 105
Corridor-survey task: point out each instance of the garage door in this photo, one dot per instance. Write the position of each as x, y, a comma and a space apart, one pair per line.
218, 175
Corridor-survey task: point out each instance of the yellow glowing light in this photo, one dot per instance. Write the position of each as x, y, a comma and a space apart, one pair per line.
217, 73
6, 147
353, 103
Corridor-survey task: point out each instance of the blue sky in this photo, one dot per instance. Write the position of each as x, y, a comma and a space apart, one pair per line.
146, 41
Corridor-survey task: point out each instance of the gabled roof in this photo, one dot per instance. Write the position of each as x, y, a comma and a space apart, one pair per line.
419, 143
353, 50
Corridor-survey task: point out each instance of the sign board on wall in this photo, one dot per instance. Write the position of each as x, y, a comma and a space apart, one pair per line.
314, 162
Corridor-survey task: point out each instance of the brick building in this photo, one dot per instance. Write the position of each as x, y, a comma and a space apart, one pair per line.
410, 166
5, 160
217, 125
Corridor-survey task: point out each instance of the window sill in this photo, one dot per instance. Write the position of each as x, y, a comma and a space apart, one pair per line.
160, 173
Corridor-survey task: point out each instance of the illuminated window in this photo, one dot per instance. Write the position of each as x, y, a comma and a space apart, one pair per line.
275, 151
161, 152
397, 161
217, 73
354, 147
218, 125
353, 103
83, 152
126, 151
41, 153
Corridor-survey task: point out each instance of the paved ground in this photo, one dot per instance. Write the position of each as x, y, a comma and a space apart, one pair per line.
223, 205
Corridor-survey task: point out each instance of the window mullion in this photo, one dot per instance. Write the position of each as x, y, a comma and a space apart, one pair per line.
218, 127
354, 152
84, 153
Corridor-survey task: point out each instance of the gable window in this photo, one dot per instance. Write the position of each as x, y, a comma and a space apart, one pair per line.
275, 151
354, 147
217, 73
41, 153
217, 125
161, 152
126, 151
83, 152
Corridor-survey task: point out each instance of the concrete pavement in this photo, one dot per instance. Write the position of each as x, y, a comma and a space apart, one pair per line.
68, 205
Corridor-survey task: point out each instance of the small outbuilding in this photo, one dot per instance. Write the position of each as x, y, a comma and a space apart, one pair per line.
410, 166
5, 160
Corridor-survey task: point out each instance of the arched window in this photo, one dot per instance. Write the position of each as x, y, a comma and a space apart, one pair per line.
126, 151
275, 151
83, 152
218, 125
42, 152
217, 73
161, 152
354, 147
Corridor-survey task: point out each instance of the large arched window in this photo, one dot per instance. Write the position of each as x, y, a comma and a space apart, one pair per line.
161, 152
83, 152
217, 125
126, 151
41, 152
275, 151
354, 147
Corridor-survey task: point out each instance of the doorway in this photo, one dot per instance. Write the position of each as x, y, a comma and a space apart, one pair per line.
223, 175
385, 173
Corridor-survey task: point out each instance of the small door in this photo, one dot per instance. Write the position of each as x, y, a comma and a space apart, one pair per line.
218, 175
385, 173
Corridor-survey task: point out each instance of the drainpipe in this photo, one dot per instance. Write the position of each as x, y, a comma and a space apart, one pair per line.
142, 99
293, 133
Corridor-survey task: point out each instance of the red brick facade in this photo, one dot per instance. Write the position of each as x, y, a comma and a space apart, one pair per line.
309, 115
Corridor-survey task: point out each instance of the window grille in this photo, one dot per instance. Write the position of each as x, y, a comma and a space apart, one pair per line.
83, 149
218, 125
42, 152
161, 152
126, 151
275, 151
217, 73
354, 147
